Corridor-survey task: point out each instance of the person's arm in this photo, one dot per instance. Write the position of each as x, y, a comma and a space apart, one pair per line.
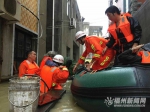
22, 69
81, 60
50, 63
127, 57
90, 64
136, 30
125, 54
110, 43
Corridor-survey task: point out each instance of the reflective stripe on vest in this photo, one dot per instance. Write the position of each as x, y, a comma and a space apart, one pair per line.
96, 55
32, 67
92, 47
65, 69
101, 42
145, 55
105, 60
83, 58
124, 27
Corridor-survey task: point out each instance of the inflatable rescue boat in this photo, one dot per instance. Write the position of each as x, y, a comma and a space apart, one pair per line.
115, 89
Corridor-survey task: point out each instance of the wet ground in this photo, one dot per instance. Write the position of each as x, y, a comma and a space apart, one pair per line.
65, 104
4, 105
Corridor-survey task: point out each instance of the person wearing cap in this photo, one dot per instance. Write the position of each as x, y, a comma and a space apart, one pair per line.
47, 59
55, 75
95, 45
136, 55
29, 65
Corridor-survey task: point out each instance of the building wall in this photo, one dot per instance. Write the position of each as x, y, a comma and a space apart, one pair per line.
7, 54
70, 47
63, 33
67, 45
27, 19
43, 19
143, 16
28, 23
135, 5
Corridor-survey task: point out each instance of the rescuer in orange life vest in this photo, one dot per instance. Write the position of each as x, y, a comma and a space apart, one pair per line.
125, 32
141, 55
94, 45
47, 59
54, 76
29, 65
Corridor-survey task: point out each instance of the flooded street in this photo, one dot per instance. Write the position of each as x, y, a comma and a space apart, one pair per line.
67, 103
4, 104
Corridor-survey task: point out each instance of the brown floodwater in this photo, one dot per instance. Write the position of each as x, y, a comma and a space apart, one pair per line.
67, 103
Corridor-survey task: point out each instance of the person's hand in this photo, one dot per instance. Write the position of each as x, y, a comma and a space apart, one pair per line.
104, 50
93, 71
74, 68
88, 68
136, 48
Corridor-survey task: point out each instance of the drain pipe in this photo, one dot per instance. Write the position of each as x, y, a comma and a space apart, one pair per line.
13, 45
37, 58
53, 26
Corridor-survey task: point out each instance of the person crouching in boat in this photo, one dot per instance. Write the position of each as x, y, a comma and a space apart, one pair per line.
53, 76
47, 59
95, 45
141, 55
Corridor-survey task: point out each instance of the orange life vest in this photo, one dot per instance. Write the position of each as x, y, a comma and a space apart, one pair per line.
145, 55
44, 61
127, 14
46, 75
31, 68
124, 27
53, 77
